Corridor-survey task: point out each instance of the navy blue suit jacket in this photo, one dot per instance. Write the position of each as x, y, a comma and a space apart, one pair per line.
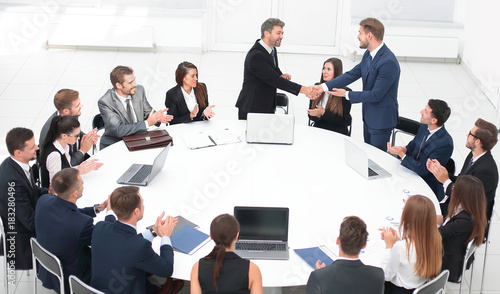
65, 231
16, 188
121, 258
380, 88
439, 146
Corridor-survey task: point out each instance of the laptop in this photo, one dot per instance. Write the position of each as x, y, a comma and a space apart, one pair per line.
270, 128
356, 158
263, 232
143, 174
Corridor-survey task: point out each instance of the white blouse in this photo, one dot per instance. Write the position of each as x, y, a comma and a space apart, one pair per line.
398, 269
190, 99
53, 163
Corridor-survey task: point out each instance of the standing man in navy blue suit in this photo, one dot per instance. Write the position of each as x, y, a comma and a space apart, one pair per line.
431, 142
121, 259
18, 197
380, 72
64, 230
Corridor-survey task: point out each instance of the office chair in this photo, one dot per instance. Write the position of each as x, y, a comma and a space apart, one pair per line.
98, 123
471, 248
405, 125
49, 261
434, 286
5, 269
76, 286
282, 102
486, 242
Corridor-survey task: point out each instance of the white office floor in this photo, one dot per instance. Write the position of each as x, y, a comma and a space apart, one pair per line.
28, 84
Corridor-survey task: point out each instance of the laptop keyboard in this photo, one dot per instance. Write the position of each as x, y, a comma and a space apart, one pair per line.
371, 172
260, 246
141, 174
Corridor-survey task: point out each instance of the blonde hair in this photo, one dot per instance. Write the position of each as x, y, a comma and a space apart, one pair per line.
419, 229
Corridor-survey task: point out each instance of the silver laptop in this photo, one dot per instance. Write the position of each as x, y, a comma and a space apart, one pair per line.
143, 174
263, 232
356, 158
270, 128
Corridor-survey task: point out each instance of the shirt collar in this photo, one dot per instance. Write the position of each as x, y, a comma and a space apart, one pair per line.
477, 157
60, 148
375, 51
346, 258
268, 49
132, 226
123, 99
24, 166
435, 130
186, 94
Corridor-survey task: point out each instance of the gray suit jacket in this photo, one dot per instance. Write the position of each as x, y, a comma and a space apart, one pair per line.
77, 157
116, 121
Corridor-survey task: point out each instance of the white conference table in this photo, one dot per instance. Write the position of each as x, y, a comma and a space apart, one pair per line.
310, 177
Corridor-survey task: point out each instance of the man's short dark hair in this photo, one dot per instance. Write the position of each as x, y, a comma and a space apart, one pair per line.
16, 139
374, 26
487, 133
118, 73
124, 200
65, 182
269, 24
64, 99
440, 110
353, 235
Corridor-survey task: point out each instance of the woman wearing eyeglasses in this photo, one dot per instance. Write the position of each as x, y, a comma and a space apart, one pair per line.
54, 156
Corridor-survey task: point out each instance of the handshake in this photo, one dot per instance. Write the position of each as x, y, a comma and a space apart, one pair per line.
313, 92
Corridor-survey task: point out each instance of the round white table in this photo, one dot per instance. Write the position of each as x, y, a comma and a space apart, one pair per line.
310, 177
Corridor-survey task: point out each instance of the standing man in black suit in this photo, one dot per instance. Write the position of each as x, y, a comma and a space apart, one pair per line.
347, 274
262, 75
67, 102
479, 163
18, 197
121, 259
64, 229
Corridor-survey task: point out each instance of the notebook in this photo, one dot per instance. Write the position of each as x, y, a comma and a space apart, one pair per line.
143, 174
356, 158
263, 232
270, 128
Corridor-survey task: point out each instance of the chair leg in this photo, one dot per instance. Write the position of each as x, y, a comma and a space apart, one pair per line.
471, 273
484, 263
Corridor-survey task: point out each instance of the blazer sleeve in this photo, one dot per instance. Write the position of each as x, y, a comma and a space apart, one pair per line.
160, 265
458, 225
260, 68
115, 125
387, 74
86, 234
172, 101
88, 211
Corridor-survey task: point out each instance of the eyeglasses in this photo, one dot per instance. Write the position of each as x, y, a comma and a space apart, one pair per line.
471, 134
75, 136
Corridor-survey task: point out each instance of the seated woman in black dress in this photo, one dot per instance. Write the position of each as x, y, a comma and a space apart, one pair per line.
327, 111
54, 155
222, 271
466, 221
188, 101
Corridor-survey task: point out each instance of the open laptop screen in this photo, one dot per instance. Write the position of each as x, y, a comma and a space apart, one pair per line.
262, 223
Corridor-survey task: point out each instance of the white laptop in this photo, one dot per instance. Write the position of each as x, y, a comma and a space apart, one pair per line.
270, 128
356, 158
263, 232
143, 174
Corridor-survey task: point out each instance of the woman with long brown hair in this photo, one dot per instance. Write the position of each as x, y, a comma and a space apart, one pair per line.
188, 101
466, 221
327, 111
222, 271
414, 258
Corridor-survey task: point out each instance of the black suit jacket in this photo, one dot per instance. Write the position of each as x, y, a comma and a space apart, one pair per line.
346, 276
121, 258
177, 106
485, 169
17, 200
65, 231
455, 234
261, 77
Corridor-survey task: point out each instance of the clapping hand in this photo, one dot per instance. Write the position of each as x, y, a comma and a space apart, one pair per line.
88, 166
440, 172
208, 112
88, 140
318, 111
194, 113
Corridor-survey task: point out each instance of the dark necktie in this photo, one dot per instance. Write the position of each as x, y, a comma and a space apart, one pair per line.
273, 55
130, 112
369, 60
469, 165
32, 179
422, 143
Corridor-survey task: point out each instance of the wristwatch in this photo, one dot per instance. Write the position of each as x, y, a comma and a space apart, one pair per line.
150, 228
96, 208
